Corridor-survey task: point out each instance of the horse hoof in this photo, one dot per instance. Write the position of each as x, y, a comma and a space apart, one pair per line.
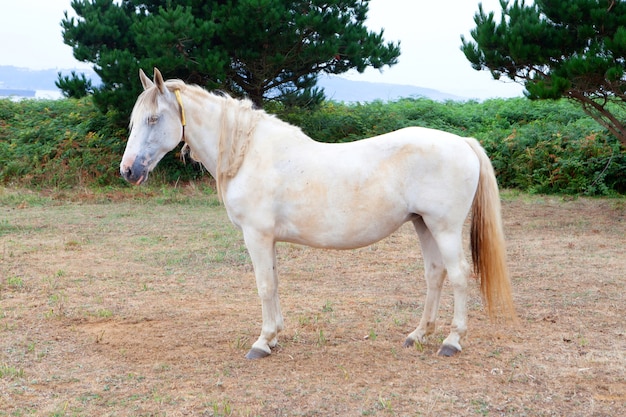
448, 350
408, 343
255, 353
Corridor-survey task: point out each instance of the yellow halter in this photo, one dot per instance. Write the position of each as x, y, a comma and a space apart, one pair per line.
182, 108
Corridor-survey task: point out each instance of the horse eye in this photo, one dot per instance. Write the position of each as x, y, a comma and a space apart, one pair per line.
153, 120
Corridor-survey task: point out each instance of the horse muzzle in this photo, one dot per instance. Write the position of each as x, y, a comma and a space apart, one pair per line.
136, 174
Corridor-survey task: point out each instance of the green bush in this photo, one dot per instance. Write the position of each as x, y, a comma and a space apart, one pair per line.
55, 143
66, 143
535, 146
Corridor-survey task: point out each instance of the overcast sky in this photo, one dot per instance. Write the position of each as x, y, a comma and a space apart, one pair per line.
429, 32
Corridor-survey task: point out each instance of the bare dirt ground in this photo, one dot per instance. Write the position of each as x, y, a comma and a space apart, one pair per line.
144, 304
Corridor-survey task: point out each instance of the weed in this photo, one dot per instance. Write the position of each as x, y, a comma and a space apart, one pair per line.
162, 367
58, 300
618, 205
418, 346
296, 337
394, 352
61, 412
242, 343
104, 313
10, 372
321, 338
15, 282
6, 227
221, 409
372, 335
384, 403
328, 307
400, 322
304, 320
346, 376
495, 353
481, 407
51, 282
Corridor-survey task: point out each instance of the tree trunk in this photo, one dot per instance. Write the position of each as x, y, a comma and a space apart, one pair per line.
601, 115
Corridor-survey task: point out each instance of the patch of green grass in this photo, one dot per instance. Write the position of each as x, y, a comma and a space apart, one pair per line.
22, 198
321, 338
481, 407
372, 335
10, 372
104, 313
384, 403
15, 282
418, 346
220, 408
242, 343
57, 302
6, 227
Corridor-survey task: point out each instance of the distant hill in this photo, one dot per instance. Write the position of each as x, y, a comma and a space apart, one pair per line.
341, 89
16, 78
23, 81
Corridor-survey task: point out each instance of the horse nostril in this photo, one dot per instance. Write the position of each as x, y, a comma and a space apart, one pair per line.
126, 172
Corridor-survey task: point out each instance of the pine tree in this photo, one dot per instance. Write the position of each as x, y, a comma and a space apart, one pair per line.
73, 85
574, 49
258, 48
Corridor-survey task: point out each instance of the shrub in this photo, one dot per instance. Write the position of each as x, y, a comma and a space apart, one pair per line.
536, 146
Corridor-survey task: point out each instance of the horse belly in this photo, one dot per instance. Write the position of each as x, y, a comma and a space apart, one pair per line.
341, 226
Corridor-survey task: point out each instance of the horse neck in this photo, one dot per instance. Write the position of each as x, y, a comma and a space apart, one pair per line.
202, 114
218, 132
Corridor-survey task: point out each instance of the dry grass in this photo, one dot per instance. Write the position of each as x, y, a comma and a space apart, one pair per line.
144, 304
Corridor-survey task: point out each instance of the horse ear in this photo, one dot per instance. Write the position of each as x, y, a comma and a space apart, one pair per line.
145, 81
158, 80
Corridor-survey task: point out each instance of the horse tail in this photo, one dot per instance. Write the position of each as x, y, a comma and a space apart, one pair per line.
487, 241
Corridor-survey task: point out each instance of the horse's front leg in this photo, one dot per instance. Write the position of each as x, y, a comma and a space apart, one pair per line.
262, 251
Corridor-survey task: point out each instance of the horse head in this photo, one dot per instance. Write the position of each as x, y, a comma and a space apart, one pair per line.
156, 128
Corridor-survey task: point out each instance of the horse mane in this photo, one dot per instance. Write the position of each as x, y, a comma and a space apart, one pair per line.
237, 127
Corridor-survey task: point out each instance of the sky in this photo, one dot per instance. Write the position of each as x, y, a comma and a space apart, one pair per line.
429, 34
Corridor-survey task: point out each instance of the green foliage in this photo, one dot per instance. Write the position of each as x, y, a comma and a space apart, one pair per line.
536, 146
573, 49
543, 147
73, 86
65, 143
56, 143
258, 48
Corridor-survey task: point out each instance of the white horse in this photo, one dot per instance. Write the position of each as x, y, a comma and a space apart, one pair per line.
277, 184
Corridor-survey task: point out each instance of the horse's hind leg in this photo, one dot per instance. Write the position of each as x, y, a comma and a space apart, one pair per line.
263, 254
451, 248
443, 248
435, 273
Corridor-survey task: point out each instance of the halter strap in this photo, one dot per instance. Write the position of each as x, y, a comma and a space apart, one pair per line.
182, 108
182, 111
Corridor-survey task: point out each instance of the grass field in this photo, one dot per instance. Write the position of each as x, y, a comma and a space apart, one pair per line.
143, 303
